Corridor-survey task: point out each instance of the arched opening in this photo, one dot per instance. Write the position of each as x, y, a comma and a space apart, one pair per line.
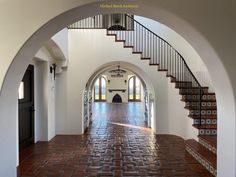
17, 68
117, 92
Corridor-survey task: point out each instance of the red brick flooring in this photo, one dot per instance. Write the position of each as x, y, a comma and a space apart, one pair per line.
117, 144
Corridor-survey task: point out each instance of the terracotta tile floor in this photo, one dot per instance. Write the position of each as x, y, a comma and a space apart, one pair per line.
117, 144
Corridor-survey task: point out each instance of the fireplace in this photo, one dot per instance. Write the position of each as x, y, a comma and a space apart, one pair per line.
117, 99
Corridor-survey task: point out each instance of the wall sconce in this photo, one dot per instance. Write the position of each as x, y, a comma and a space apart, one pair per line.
53, 69
108, 81
125, 81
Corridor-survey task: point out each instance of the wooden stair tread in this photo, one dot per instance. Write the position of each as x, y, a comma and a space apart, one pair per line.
196, 100
109, 34
195, 166
208, 126
183, 87
162, 70
202, 151
120, 40
203, 101
210, 139
203, 107
203, 116
209, 93
145, 58
200, 170
183, 82
126, 46
136, 52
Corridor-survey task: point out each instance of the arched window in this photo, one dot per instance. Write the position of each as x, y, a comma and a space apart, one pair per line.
100, 89
134, 89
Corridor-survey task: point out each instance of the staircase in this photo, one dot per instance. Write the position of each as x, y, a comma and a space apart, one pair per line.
198, 100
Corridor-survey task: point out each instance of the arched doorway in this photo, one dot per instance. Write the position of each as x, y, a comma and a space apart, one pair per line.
144, 107
21, 60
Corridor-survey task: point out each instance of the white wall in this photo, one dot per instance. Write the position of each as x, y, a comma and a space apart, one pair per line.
41, 101
51, 104
44, 98
191, 57
85, 56
61, 39
62, 121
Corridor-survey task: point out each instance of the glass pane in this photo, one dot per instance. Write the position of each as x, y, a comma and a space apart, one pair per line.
131, 88
21, 91
96, 90
138, 89
103, 88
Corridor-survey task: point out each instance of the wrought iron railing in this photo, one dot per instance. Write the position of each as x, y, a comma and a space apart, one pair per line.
107, 21
149, 45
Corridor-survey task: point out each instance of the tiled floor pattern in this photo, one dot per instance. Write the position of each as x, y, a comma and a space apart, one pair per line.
117, 144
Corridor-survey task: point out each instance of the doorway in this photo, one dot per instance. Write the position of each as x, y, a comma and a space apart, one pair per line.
26, 109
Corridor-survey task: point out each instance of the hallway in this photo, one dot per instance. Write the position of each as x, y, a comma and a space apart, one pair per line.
116, 144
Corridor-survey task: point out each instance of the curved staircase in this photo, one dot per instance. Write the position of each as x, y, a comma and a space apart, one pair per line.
198, 100
193, 94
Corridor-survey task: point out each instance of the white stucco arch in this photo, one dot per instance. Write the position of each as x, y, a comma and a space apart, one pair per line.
131, 67
219, 68
146, 82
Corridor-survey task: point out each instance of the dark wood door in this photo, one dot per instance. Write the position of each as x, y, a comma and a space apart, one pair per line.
26, 109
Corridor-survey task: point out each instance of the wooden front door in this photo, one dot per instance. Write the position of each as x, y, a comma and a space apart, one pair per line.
26, 109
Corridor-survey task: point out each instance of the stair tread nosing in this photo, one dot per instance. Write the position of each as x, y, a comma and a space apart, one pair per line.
197, 100
111, 34
210, 139
136, 52
203, 116
145, 58
203, 107
206, 126
128, 46
202, 151
183, 87
209, 93
183, 82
